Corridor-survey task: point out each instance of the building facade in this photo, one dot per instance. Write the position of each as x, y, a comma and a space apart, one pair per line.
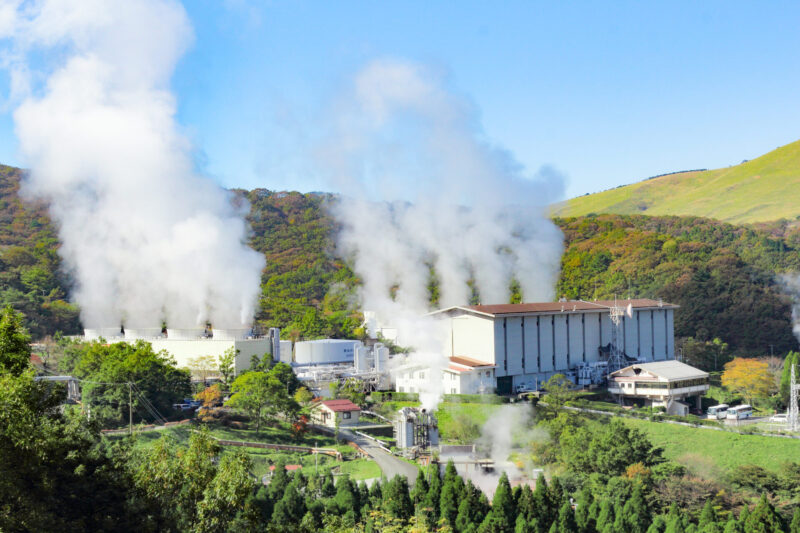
528, 343
330, 413
462, 375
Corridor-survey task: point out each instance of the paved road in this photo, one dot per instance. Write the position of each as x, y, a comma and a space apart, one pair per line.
390, 465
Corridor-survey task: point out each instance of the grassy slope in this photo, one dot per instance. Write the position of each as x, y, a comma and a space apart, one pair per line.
709, 453
763, 189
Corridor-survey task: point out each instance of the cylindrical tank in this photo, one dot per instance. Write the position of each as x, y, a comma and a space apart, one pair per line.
142, 333
325, 351
286, 352
106, 333
185, 334
381, 358
230, 334
361, 361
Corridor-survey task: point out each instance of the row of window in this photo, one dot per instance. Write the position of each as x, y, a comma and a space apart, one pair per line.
663, 385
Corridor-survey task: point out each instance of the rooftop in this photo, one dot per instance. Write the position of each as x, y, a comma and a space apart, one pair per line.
666, 370
340, 405
569, 306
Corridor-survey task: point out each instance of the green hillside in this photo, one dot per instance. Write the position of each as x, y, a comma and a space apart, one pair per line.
763, 189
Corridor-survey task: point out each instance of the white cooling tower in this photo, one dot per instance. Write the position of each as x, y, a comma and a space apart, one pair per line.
325, 351
230, 334
106, 333
361, 360
185, 334
142, 333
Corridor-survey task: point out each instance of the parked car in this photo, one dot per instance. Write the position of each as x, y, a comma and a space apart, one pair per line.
182, 406
779, 417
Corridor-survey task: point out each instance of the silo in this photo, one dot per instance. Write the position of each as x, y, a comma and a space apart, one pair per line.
325, 351
185, 334
106, 333
142, 333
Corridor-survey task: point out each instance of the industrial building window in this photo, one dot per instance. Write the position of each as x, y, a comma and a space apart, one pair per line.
345, 415
488, 374
422, 375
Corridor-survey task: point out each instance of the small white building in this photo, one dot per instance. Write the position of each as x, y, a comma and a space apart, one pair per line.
462, 375
666, 384
329, 412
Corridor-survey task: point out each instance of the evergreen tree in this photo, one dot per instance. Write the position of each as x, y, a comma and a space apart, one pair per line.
396, 500
290, 508
764, 519
279, 481
473, 508
448, 503
675, 525
556, 494
566, 519
583, 510
794, 527
328, 489
523, 526
606, 516
375, 494
420, 490
636, 512
15, 349
503, 502
744, 514
707, 515
346, 498
792, 359
450, 472
732, 526
430, 504
659, 525
541, 499
525, 503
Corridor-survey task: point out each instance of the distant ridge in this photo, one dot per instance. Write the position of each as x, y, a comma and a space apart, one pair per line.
762, 189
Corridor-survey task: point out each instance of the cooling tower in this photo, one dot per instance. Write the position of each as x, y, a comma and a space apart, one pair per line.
106, 333
230, 334
142, 333
185, 334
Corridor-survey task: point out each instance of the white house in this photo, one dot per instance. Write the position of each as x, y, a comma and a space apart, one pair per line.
665, 383
462, 375
328, 412
528, 343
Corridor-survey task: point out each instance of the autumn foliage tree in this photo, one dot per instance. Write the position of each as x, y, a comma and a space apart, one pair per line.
749, 377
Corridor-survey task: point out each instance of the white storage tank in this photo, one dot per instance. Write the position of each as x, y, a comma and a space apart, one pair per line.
286, 352
325, 351
142, 333
381, 358
107, 333
361, 360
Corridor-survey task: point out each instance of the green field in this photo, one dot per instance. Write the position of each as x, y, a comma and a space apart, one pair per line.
711, 453
763, 189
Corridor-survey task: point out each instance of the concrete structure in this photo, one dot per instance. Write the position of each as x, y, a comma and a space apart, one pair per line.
665, 384
286, 352
528, 343
462, 375
329, 412
325, 351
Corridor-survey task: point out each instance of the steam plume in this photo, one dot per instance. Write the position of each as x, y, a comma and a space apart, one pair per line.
421, 187
145, 236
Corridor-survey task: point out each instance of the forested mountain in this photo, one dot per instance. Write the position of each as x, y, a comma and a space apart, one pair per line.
762, 189
724, 277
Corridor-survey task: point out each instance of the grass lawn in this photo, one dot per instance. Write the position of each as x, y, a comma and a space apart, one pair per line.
711, 453
477, 412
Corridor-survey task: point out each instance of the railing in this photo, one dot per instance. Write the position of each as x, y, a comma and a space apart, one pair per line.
282, 447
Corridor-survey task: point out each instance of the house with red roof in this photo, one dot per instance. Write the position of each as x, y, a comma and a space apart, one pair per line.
331, 413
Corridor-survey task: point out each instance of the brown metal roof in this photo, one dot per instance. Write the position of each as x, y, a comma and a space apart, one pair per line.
468, 361
568, 306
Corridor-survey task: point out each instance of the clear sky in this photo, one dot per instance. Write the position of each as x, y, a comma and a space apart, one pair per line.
606, 93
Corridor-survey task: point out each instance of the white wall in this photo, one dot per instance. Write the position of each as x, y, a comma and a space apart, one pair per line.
184, 350
660, 334
591, 326
575, 338
514, 345
473, 336
560, 336
631, 335
546, 342
645, 335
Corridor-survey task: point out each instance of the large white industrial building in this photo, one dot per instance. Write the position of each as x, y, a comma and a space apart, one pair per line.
187, 344
526, 344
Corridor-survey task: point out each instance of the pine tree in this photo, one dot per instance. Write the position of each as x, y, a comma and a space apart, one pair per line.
541, 499
566, 519
525, 503
375, 494
764, 519
328, 489
707, 515
420, 490
794, 527
431, 503
346, 498
450, 472
279, 481
396, 500
732, 526
523, 526
448, 503
503, 502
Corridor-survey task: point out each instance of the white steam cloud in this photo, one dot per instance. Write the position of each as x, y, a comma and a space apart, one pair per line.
146, 237
422, 188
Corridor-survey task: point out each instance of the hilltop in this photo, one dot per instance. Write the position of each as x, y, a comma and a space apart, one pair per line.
763, 189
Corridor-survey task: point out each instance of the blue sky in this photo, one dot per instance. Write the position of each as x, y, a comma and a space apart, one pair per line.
606, 94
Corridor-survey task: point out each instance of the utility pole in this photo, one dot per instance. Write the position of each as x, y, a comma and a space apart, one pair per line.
130, 408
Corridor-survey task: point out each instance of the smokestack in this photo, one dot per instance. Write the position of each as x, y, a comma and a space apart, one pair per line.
107, 333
